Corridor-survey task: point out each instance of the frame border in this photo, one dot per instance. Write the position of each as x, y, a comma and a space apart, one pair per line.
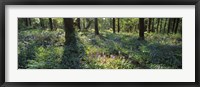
99, 2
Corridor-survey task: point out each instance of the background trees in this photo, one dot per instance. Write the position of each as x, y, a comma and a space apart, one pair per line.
100, 43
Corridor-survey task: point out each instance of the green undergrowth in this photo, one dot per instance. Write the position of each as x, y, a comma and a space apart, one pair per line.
45, 49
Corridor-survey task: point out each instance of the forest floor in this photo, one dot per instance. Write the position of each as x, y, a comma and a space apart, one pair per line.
45, 49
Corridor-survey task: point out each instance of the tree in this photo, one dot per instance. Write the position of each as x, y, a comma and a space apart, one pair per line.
174, 24
158, 24
142, 28
79, 23
69, 31
169, 25
89, 23
152, 25
41, 23
161, 24
96, 27
118, 26
165, 24
149, 27
113, 25
177, 24
26, 22
51, 23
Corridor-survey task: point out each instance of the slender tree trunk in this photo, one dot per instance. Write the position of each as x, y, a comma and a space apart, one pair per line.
152, 25
90, 22
149, 28
174, 24
30, 23
177, 24
141, 31
161, 21
26, 22
158, 24
118, 26
96, 27
113, 25
51, 23
69, 31
165, 24
169, 25
79, 23
41, 23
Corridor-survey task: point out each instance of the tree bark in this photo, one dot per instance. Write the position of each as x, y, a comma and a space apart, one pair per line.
152, 25
118, 26
51, 23
96, 27
41, 23
79, 23
165, 24
113, 25
158, 24
69, 31
177, 24
161, 22
141, 31
169, 25
149, 27
174, 24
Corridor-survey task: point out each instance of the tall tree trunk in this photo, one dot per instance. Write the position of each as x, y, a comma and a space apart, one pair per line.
177, 24
161, 21
69, 31
90, 22
51, 23
174, 24
165, 24
96, 27
118, 26
152, 25
41, 23
30, 22
169, 25
26, 22
141, 31
79, 23
158, 24
113, 25
149, 27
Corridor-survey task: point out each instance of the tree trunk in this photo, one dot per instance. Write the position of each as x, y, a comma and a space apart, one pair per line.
161, 21
141, 31
29, 20
169, 25
69, 31
41, 23
165, 24
79, 23
113, 25
158, 24
149, 27
152, 25
118, 26
96, 27
90, 22
51, 23
174, 24
177, 24
26, 22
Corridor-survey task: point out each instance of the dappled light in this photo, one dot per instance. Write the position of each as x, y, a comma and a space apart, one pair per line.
100, 43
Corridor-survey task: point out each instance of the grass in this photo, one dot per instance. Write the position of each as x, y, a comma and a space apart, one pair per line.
44, 49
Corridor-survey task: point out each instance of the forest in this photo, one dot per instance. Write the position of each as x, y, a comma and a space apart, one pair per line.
99, 43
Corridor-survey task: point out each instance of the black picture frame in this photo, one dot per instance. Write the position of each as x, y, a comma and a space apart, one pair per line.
99, 2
